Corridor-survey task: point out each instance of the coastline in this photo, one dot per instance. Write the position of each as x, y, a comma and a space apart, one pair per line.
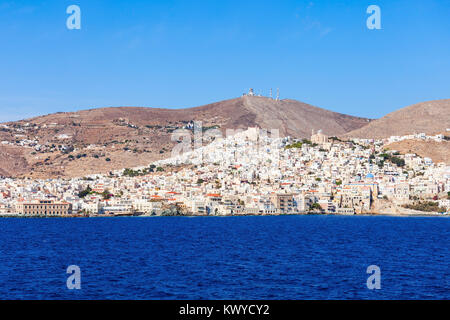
368, 214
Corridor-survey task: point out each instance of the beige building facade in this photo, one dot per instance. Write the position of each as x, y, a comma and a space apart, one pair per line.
44, 208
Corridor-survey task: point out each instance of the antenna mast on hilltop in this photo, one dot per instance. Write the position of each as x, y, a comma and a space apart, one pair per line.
278, 94
270, 93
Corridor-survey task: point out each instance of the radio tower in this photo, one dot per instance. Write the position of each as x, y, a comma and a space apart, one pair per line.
270, 93
278, 94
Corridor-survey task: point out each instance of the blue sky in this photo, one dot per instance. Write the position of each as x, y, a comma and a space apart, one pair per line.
188, 53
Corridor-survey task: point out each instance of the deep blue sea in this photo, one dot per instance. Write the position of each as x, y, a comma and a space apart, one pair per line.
273, 257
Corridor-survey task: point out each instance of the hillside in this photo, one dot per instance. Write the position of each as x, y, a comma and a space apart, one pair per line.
105, 139
437, 151
430, 117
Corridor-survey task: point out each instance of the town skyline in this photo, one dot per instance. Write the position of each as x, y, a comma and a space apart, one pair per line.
251, 172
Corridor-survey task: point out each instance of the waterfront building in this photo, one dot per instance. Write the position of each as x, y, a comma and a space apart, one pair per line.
44, 208
284, 203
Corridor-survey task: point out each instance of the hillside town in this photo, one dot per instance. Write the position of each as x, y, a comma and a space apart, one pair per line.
251, 172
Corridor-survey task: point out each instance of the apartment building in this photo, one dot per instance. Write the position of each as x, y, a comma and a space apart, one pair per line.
284, 203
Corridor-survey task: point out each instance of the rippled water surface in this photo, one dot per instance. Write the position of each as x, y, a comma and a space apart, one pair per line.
276, 257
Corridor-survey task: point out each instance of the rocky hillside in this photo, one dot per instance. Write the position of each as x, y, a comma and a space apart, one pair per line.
437, 151
430, 117
105, 139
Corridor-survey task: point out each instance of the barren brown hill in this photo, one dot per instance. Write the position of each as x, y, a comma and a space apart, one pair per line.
105, 139
437, 151
429, 117
12, 159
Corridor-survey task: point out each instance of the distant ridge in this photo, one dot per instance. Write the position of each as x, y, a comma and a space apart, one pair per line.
429, 117
289, 116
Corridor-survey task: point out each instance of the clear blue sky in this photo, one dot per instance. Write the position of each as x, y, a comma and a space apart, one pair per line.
188, 53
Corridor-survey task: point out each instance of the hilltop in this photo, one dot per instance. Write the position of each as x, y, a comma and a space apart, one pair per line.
104, 139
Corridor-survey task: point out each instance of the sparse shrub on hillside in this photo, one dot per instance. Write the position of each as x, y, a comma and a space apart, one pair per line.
136, 173
106, 195
395, 160
210, 127
398, 161
294, 145
426, 206
85, 192
306, 141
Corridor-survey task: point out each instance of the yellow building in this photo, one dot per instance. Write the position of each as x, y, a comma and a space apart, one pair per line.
44, 208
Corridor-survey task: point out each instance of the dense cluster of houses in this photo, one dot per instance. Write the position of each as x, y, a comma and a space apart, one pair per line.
249, 173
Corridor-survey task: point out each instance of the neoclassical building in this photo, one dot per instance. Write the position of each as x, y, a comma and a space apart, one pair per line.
44, 208
319, 137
